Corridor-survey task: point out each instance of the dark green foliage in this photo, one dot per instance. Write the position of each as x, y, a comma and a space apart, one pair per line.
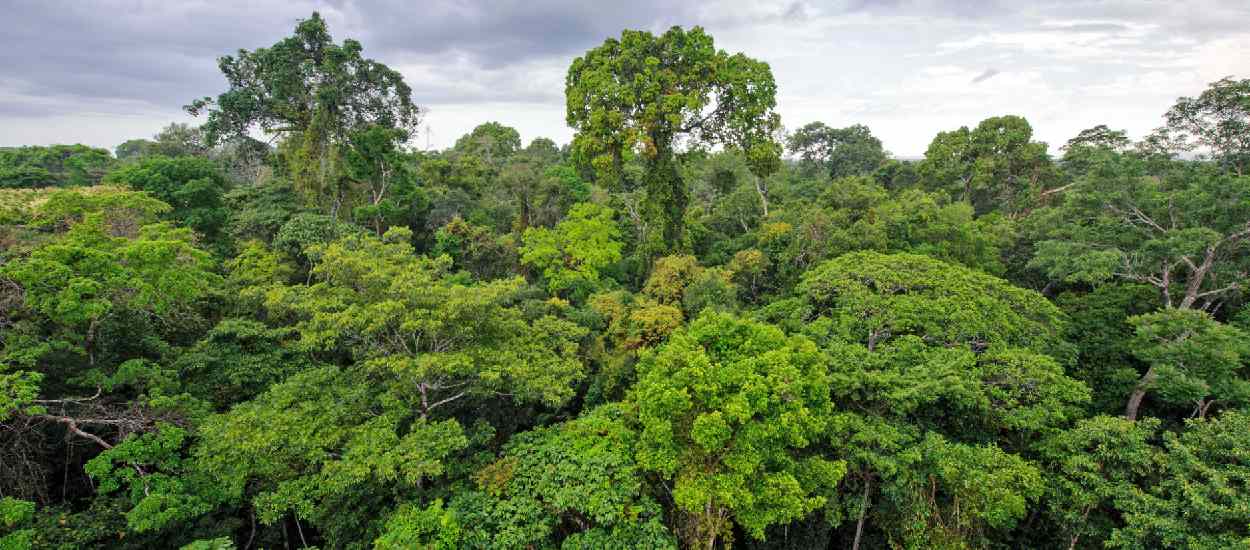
192, 186
840, 152
662, 335
52, 166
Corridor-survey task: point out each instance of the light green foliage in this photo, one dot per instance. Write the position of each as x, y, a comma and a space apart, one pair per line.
152, 470
18, 389
84, 285
121, 211
954, 492
641, 93
1202, 496
76, 280
413, 527
633, 321
399, 315
318, 444
581, 473
868, 297
669, 277
727, 407
253, 272
1095, 465
222, 543
1192, 359
572, 255
994, 167
15, 514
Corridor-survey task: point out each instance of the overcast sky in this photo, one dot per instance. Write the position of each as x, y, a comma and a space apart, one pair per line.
102, 72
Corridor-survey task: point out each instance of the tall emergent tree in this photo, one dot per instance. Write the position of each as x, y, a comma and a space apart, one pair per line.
995, 166
842, 152
1217, 122
647, 95
315, 95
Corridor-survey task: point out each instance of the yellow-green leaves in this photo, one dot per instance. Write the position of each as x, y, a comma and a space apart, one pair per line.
869, 297
571, 255
643, 93
727, 408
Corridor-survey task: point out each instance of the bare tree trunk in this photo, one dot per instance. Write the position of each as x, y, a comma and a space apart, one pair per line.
763, 192
863, 511
1196, 277
1139, 393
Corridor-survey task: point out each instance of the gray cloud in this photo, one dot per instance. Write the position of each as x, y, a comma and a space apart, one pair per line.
834, 60
985, 75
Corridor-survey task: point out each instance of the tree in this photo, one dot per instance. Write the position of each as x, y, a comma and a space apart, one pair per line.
413, 345
1095, 466
539, 189
178, 139
477, 250
493, 142
1201, 498
727, 407
571, 256
1092, 145
80, 281
1185, 233
643, 94
840, 152
105, 298
446, 340
1217, 121
995, 166
670, 276
573, 485
193, 186
313, 93
1191, 359
375, 162
940, 371
53, 166
869, 298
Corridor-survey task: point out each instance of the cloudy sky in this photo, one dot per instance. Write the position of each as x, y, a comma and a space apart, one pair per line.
101, 72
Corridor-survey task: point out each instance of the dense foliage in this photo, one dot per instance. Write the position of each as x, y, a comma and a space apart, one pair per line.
683, 330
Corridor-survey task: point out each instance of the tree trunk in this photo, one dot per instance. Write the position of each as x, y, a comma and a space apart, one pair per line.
1139, 393
863, 512
763, 193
